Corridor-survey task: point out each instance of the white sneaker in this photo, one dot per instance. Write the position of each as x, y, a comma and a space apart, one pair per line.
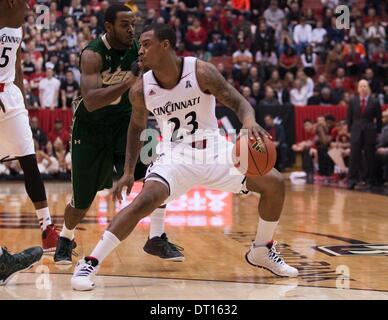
266, 257
85, 270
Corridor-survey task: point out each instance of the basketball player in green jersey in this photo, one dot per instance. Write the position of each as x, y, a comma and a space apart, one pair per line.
99, 136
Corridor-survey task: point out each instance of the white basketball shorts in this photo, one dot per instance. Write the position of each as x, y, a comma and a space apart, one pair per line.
15, 131
217, 172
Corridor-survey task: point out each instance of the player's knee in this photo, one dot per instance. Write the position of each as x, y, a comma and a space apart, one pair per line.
147, 203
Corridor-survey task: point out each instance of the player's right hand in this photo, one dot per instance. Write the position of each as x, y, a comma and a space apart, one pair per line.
126, 180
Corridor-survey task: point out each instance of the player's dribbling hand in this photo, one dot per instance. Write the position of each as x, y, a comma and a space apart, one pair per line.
255, 131
125, 181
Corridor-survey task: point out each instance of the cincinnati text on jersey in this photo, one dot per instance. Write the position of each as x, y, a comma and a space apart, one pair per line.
10, 39
170, 107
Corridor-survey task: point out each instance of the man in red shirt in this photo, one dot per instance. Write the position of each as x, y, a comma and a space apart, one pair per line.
59, 132
196, 36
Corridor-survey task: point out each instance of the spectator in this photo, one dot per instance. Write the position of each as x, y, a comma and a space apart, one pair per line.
334, 34
309, 60
376, 30
59, 132
325, 164
269, 99
293, 15
37, 133
257, 92
49, 89
382, 147
264, 37
165, 9
242, 55
69, 90
334, 59
281, 93
337, 92
385, 94
266, 59
253, 76
288, 62
275, 78
315, 99
32, 101
347, 83
277, 132
358, 31
221, 69
196, 36
299, 95
247, 94
374, 84
302, 35
218, 45
241, 32
273, 15
307, 82
241, 76
28, 66
326, 98
358, 47
318, 36
288, 82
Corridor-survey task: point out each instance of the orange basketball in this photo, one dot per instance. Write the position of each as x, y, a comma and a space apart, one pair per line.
254, 157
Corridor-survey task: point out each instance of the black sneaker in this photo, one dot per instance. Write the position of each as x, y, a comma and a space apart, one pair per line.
64, 251
162, 248
10, 264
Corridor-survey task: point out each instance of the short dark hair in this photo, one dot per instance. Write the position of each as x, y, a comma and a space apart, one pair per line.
329, 117
113, 9
162, 32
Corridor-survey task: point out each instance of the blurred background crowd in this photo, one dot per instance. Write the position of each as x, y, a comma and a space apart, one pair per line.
277, 53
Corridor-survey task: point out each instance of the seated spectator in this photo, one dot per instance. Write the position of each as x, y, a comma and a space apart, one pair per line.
49, 89
241, 32
275, 77
269, 99
358, 47
337, 93
306, 82
339, 150
376, 30
60, 132
273, 15
288, 82
35, 79
310, 18
288, 62
241, 75
277, 132
242, 55
374, 84
264, 37
221, 69
309, 60
257, 92
302, 35
218, 45
318, 36
32, 101
293, 16
334, 59
347, 83
47, 164
37, 133
60, 155
266, 59
315, 99
28, 66
326, 98
247, 94
69, 90
385, 94
299, 95
334, 34
253, 76
196, 36
358, 31
281, 94
322, 82
353, 61
165, 8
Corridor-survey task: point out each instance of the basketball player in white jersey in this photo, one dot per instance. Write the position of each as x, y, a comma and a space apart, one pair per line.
182, 92
15, 132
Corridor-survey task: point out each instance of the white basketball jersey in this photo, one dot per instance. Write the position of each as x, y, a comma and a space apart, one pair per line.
183, 113
10, 40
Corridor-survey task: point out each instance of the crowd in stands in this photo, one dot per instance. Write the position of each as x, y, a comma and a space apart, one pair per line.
275, 52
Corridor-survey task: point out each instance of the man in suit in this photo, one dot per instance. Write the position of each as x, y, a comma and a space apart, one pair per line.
364, 121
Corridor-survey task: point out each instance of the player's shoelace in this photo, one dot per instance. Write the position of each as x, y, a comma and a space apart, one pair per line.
274, 255
85, 271
175, 247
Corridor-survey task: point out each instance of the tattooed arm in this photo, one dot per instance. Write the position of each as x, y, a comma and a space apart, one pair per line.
212, 82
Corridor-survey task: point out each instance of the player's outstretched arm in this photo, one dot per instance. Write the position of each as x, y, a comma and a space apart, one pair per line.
137, 124
211, 81
94, 95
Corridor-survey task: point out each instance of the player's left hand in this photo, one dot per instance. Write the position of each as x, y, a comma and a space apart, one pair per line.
255, 131
125, 181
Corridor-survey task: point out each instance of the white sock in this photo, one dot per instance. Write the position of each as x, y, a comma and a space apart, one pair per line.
44, 217
67, 233
1, 251
105, 246
265, 231
157, 223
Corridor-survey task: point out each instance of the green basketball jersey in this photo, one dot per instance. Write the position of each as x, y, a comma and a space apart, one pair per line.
116, 64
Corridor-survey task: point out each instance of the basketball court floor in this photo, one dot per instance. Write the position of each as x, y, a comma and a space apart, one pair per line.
336, 238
